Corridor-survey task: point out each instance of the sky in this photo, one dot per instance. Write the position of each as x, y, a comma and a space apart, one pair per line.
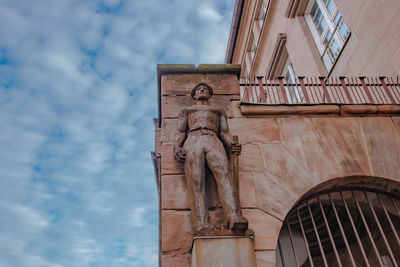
78, 93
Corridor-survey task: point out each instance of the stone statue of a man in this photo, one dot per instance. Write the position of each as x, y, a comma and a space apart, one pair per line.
202, 133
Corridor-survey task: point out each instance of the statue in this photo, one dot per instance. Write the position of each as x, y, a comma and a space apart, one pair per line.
202, 133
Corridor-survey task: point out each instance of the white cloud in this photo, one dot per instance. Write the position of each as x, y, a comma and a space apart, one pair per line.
210, 14
77, 98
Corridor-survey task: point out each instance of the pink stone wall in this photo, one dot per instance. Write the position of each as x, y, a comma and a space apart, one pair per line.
372, 50
282, 159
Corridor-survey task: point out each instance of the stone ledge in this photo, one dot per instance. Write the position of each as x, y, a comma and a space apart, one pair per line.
254, 110
202, 69
319, 110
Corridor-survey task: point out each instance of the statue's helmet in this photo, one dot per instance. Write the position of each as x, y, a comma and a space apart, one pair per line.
201, 84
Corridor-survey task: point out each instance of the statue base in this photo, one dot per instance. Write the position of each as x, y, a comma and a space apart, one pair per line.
223, 251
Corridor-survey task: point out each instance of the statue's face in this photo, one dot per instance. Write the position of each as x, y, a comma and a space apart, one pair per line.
202, 93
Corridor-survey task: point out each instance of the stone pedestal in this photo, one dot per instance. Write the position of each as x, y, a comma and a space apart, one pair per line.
228, 251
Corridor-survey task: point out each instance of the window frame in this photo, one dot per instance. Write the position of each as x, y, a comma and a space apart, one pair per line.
328, 54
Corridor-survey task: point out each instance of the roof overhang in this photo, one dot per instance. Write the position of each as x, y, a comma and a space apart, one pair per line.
237, 15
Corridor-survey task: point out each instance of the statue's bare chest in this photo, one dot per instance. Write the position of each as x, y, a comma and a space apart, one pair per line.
203, 118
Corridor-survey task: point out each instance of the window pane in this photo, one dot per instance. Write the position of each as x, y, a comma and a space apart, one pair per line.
313, 9
335, 48
328, 38
337, 18
321, 26
317, 17
331, 6
344, 31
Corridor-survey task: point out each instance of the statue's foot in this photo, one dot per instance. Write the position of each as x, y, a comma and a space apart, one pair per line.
238, 224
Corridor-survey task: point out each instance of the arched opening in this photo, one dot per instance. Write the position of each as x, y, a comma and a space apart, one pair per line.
342, 226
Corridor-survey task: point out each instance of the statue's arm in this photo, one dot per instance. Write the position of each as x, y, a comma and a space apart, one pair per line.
224, 130
226, 136
181, 135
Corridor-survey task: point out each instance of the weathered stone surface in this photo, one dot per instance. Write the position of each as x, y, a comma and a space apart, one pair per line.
168, 131
351, 110
157, 143
286, 169
223, 83
247, 191
255, 130
308, 147
383, 144
396, 121
384, 110
219, 69
273, 197
251, 158
284, 110
265, 226
176, 231
266, 258
171, 105
163, 69
235, 106
176, 259
343, 137
168, 163
176, 196
223, 252
175, 192
180, 84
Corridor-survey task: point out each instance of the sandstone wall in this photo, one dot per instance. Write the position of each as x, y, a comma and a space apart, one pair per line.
283, 158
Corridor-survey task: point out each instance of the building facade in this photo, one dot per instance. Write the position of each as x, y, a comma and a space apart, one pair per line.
315, 38
311, 89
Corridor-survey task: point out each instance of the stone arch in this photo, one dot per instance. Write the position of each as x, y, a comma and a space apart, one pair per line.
353, 220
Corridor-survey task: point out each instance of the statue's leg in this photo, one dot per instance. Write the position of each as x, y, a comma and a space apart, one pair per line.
195, 176
219, 165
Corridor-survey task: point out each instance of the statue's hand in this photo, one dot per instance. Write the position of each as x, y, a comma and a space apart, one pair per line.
236, 148
180, 155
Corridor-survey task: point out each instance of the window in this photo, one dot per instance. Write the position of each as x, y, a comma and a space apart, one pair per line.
288, 71
262, 14
294, 91
328, 29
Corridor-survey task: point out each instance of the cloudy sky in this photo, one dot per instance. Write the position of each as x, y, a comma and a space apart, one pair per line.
77, 98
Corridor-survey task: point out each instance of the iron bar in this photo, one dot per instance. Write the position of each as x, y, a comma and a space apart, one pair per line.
367, 230
283, 90
305, 238
346, 91
381, 230
329, 232
362, 79
395, 206
260, 86
317, 235
342, 231
280, 253
382, 80
389, 220
303, 88
291, 243
354, 229
326, 93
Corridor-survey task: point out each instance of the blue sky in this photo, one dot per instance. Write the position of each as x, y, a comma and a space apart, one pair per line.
77, 98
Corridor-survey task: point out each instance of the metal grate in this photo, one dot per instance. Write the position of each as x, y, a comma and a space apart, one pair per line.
342, 90
342, 228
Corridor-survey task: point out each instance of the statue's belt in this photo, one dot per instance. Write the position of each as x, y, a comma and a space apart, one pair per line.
202, 131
